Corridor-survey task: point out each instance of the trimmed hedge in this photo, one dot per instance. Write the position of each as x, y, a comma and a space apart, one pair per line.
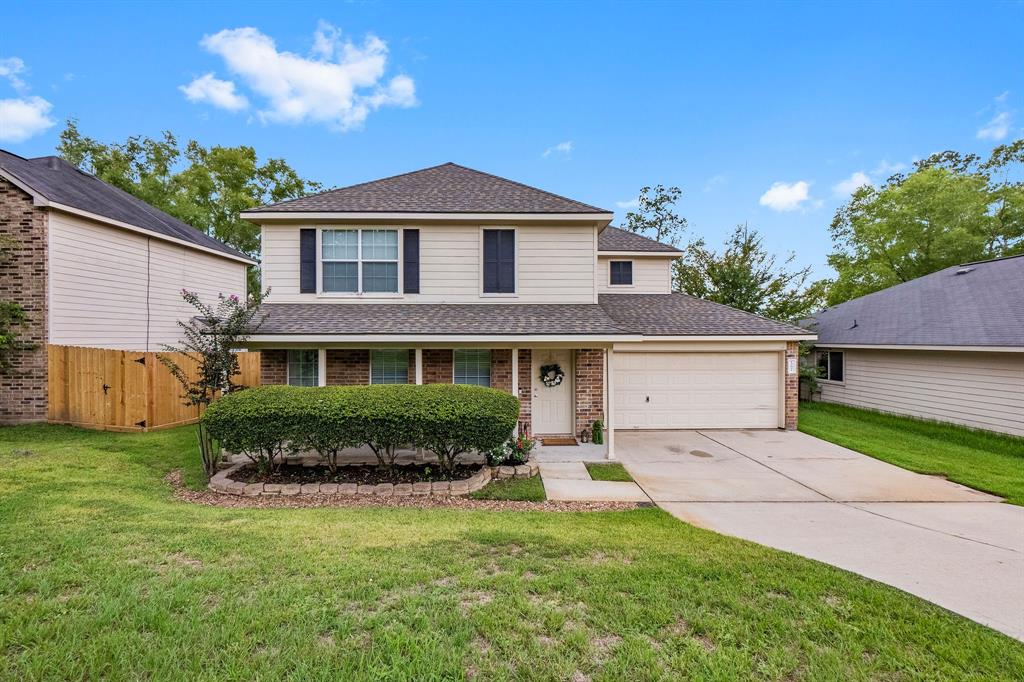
445, 419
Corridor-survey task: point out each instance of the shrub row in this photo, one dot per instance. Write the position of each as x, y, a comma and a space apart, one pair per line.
448, 420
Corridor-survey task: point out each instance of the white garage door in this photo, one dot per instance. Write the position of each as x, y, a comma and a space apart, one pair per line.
696, 390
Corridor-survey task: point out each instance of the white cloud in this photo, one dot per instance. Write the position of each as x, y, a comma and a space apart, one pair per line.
846, 187
22, 118
786, 197
713, 182
997, 128
561, 149
339, 85
215, 91
884, 170
632, 203
10, 67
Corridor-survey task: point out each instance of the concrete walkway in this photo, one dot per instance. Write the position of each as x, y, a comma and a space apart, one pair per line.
571, 481
944, 542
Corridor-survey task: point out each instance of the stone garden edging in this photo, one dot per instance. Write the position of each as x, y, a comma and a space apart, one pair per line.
223, 483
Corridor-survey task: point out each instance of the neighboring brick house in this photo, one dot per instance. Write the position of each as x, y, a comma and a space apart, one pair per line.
94, 266
451, 275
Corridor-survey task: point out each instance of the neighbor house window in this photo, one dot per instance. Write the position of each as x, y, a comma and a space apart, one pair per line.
303, 367
389, 366
473, 367
499, 262
359, 261
830, 365
621, 273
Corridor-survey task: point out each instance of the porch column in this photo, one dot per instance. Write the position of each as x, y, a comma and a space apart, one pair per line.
419, 366
609, 408
515, 379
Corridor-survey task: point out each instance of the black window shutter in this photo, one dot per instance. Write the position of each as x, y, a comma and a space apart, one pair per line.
499, 261
307, 261
411, 261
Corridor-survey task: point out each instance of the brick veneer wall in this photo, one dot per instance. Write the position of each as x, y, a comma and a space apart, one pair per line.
501, 369
792, 386
273, 367
348, 366
437, 366
589, 386
526, 388
23, 278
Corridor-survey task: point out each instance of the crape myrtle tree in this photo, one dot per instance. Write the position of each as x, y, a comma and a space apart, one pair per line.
209, 339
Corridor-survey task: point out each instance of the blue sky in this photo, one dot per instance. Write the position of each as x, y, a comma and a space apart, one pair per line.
759, 112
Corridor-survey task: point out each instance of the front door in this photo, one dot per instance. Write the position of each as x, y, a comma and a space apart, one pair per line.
552, 405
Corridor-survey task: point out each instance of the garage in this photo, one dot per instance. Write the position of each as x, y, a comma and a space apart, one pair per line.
675, 390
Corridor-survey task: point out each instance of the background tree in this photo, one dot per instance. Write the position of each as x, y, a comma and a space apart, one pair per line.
655, 216
952, 208
210, 339
745, 276
205, 187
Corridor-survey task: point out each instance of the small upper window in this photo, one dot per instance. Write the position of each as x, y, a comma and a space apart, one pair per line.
621, 272
389, 367
303, 368
830, 365
472, 366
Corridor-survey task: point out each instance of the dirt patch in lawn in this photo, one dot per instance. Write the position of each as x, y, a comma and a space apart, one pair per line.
360, 474
212, 499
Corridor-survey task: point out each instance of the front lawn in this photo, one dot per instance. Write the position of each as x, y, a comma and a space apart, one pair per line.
513, 489
105, 574
983, 460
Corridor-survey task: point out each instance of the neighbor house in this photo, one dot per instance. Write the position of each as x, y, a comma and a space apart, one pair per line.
94, 266
451, 275
948, 346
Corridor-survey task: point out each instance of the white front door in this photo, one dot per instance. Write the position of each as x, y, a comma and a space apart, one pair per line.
553, 405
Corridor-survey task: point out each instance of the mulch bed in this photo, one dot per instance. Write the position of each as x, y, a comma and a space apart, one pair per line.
361, 474
211, 499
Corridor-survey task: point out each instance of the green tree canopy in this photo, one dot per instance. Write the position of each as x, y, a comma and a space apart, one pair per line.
205, 187
655, 215
745, 276
952, 208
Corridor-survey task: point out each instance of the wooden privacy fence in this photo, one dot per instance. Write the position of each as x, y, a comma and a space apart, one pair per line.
122, 390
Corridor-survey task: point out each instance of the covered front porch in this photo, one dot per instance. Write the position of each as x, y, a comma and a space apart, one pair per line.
562, 387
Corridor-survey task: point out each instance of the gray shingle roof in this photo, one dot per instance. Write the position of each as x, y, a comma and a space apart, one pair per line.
615, 315
683, 315
61, 183
448, 188
616, 239
982, 306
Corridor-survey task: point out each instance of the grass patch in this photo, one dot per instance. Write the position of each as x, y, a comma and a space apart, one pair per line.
608, 471
514, 489
983, 460
105, 575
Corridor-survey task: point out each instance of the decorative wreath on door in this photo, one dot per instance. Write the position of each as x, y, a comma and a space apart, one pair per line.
551, 375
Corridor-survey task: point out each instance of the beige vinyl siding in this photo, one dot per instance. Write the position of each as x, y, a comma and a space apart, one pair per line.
555, 264
651, 275
112, 288
980, 390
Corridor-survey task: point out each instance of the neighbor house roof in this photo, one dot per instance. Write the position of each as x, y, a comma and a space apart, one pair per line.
58, 182
614, 315
617, 239
976, 304
448, 188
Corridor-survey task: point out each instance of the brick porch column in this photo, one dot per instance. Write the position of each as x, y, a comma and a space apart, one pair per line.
526, 388
792, 385
589, 387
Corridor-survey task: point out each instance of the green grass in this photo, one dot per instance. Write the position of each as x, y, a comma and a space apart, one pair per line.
983, 460
104, 574
611, 471
518, 489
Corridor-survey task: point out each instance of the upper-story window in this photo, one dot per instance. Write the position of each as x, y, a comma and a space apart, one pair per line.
499, 262
620, 273
359, 261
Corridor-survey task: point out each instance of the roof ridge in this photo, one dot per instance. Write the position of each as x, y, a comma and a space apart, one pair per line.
987, 260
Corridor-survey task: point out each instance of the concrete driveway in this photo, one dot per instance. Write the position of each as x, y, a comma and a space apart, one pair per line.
944, 542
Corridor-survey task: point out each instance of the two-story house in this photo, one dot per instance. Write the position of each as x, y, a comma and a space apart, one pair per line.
448, 274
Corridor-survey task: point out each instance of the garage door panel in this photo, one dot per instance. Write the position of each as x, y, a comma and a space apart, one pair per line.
696, 390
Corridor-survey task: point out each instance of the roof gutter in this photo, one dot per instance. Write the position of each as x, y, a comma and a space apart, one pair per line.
969, 349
